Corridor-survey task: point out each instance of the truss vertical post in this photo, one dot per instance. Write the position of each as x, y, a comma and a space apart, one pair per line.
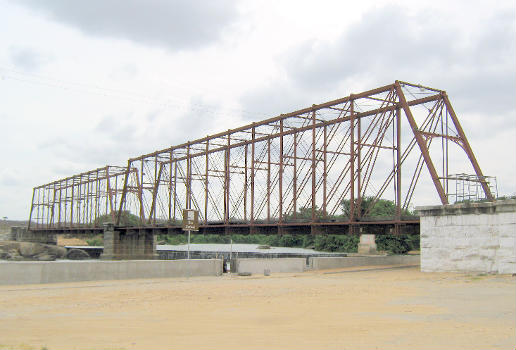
175, 189
313, 163
253, 136
71, 205
140, 191
31, 209
188, 178
352, 165
66, 201
246, 165
51, 221
154, 192
89, 197
206, 182
97, 198
280, 175
60, 199
268, 180
171, 155
152, 214
398, 168
359, 166
325, 175
294, 179
226, 184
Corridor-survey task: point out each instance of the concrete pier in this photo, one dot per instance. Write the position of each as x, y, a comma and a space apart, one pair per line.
367, 244
129, 244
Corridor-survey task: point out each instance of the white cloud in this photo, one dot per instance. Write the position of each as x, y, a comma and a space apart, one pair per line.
175, 24
95, 83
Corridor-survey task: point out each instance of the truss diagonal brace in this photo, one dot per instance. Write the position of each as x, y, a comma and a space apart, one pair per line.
421, 143
467, 148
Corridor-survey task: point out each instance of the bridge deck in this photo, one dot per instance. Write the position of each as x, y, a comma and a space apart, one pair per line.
380, 226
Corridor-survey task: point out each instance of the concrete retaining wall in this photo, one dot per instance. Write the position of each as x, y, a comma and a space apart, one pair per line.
338, 262
473, 237
21, 234
273, 265
29, 272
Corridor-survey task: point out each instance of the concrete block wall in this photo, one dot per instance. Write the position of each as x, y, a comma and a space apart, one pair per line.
35, 272
21, 234
473, 237
258, 266
324, 263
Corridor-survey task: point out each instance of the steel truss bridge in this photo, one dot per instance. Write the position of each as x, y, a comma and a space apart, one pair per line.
286, 174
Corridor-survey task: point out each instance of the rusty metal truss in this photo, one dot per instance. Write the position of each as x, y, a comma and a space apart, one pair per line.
293, 169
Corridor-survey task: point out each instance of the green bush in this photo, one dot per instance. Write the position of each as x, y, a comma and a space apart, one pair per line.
308, 241
172, 239
336, 243
250, 239
200, 238
96, 241
397, 244
413, 241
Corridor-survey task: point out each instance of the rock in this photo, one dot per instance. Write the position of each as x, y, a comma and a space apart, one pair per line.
77, 254
44, 257
59, 252
13, 255
12, 250
29, 250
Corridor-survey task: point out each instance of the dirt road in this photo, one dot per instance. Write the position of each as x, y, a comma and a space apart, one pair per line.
343, 309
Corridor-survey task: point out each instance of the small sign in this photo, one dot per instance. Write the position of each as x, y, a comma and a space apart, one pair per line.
190, 220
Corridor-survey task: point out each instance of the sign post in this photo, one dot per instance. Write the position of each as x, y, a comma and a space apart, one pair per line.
190, 223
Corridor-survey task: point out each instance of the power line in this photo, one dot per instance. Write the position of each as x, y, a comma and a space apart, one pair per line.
108, 92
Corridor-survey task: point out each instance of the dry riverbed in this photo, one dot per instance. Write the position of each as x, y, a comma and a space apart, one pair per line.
338, 309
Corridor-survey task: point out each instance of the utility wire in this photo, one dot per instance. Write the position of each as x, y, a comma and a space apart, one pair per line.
137, 97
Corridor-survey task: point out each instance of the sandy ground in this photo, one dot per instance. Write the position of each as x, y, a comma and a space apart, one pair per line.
339, 309
63, 241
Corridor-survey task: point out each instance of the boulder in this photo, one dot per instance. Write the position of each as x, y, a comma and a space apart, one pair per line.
13, 250
11, 254
77, 254
29, 250
44, 257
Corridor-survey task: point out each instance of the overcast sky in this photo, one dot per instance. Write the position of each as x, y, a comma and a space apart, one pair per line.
84, 84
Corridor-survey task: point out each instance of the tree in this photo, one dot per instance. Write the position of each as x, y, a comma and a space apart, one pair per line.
381, 208
305, 214
126, 219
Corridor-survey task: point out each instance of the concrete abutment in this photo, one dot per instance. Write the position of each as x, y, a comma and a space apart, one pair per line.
469, 237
